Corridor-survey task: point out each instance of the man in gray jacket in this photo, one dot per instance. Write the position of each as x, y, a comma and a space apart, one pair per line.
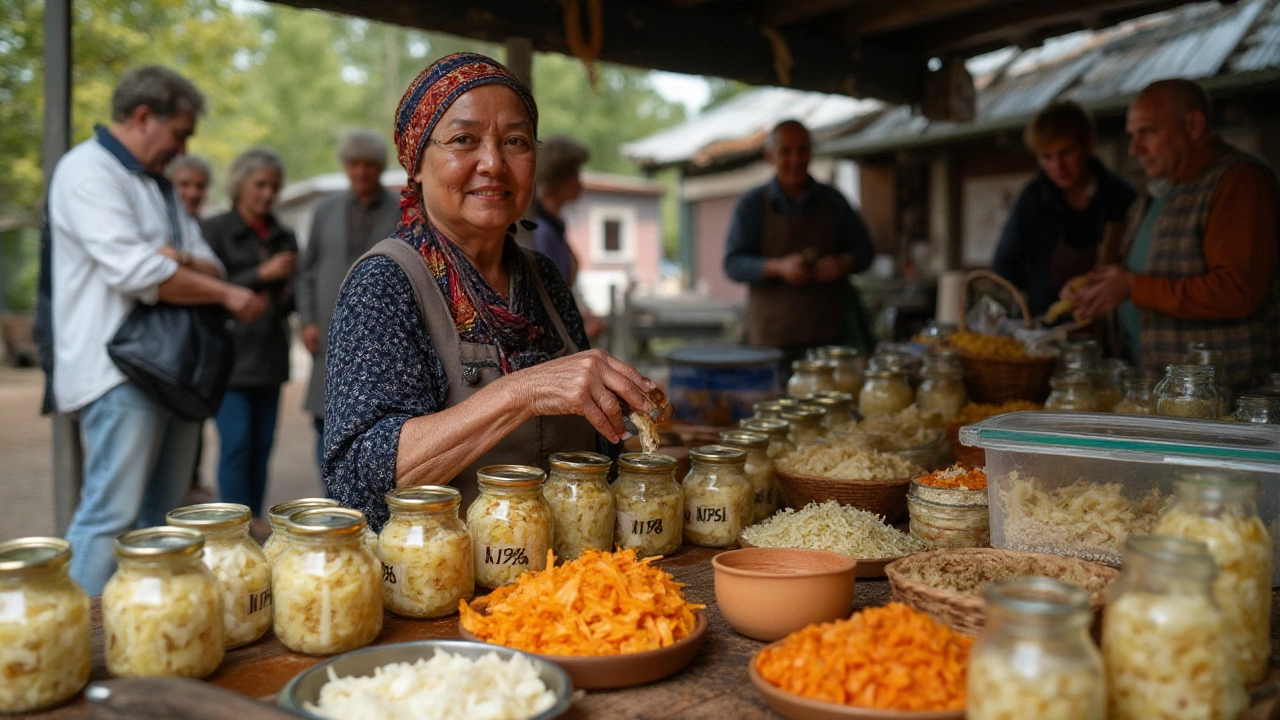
344, 227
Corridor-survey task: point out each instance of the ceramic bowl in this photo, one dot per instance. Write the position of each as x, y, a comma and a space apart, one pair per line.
767, 593
794, 707
305, 686
603, 672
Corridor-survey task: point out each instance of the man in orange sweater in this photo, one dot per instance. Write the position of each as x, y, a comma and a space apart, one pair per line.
1201, 251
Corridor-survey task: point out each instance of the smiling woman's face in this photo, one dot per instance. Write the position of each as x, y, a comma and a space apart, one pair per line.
478, 165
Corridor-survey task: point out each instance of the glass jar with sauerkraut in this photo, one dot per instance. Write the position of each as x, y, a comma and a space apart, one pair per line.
810, 376
1221, 510
942, 390
278, 515
1071, 391
582, 509
758, 468
327, 586
806, 424
717, 496
847, 374
1034, 658
237, 563
45, 653
779, 432
650, 505
766, 410
511, 524
884, 392
1165, 642
839, 407
161, 609
425, 550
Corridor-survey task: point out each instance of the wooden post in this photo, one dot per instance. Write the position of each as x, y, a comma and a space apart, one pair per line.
520, 59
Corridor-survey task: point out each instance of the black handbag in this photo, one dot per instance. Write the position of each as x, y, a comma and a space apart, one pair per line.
181, 356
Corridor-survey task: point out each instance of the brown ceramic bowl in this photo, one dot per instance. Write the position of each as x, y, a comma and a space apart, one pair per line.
603, 672
794, 707
766, 593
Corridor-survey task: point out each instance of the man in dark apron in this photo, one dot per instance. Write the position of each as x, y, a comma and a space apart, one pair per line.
795, 241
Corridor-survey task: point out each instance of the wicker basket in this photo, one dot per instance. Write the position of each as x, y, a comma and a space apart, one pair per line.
996, 379
882, 497
966, 613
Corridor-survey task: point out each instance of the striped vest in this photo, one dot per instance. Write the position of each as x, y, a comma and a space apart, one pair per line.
1251, 346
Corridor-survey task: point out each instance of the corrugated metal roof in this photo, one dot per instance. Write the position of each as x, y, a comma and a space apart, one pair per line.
1261, 50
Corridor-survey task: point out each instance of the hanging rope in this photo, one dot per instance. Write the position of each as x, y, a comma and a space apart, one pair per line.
587, 52
782, 60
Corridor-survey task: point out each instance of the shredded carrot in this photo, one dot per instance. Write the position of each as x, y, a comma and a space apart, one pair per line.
600, 604
957, 477
890, 657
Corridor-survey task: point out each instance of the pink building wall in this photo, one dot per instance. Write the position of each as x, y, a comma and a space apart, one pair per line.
711, 220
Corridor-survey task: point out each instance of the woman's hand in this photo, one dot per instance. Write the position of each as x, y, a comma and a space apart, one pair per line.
590, 384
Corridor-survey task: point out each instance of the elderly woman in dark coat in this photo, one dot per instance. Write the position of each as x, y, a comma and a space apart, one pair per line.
451, 348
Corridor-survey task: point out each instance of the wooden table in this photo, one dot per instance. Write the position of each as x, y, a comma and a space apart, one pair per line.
713, 687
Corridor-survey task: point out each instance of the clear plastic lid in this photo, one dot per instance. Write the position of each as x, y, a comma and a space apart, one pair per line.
1174, 441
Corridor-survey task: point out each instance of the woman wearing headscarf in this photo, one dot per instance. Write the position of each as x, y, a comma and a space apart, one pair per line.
451, 348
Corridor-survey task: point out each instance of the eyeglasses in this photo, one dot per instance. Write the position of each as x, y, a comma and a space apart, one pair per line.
512, 147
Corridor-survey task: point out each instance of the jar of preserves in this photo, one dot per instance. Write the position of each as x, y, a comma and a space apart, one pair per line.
788, 403
327, 586
1202, 354
1071, 392
883, 393
1138, 397
717, 496
280, 513
766, 410
237, 563
425, 551
1034, 658
779, 432
650, 504
942, 390
1221, 510
847, 370
810, 376
839, 407
1108, 383
949, 517
511, 524
806, 424
759, 470
1188, 391
161, 611
1164, 639
1258, 409
582, 510
45, 652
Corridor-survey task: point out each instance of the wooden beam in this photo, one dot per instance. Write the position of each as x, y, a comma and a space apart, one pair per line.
787, 12
889, 15
647, 35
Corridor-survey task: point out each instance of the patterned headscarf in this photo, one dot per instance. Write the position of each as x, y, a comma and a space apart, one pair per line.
522, 331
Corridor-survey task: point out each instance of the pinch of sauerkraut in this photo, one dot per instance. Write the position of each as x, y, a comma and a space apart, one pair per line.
427, 568
716, 513
44, 647
509, 536
327, 600
583, 517
998, 690
244, 580
1241, 548
162, 625
647, 429
1167, 658
652, 523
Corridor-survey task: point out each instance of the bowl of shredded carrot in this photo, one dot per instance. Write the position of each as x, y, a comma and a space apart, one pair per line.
608, 619
884, 663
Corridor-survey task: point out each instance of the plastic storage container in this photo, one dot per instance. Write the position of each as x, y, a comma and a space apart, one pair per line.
1134, 459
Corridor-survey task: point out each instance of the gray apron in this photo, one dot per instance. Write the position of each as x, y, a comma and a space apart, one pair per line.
783, 315
471, 366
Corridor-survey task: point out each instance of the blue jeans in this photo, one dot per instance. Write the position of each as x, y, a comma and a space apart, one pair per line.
246, 431
138, 464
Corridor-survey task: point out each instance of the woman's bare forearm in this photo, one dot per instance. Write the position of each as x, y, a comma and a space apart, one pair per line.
434, 448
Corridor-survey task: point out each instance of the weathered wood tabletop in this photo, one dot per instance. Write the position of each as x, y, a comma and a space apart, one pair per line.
714, 686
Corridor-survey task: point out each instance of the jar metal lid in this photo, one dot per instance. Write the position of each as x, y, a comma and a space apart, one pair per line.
773, 405
787, 402
281, 512
210, 516
646, 462
840, 352
580, 460
745, 438
31, 553
424, 497
809, 365
326, 522
156, 543
771, 427
510, 476
837, 395
1039, 596
805, 412
718, 455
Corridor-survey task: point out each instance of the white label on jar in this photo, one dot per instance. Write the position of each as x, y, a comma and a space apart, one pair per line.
256, 602
394, 578
13, 607
514, 555
632, 525
704, 519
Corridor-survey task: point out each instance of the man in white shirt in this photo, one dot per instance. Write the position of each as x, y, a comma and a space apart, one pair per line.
120, 236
